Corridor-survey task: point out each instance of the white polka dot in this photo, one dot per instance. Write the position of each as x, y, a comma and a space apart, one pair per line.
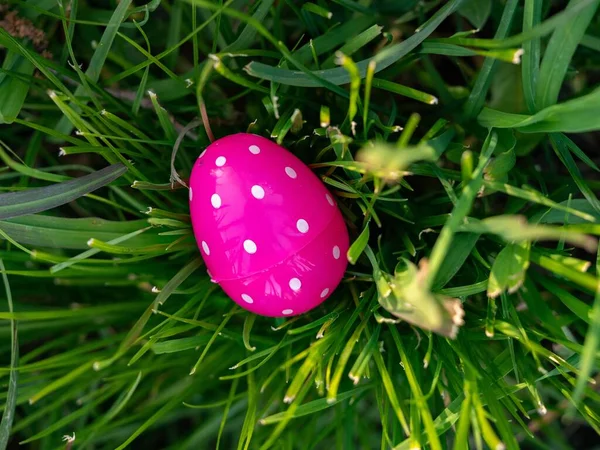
205, 248
247, 298
329, 199
257, 192
254, 149
220, 161
215, 200
295, 284
202, 154
336, 252
291, 172
250, 246
287, 312
191, 194
302, 226
324, 292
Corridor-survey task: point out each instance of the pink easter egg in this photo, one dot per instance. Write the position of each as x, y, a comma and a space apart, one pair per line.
269, 231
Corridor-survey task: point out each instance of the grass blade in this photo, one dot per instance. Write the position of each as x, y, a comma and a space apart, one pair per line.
8, 414
530, 62
464, 204
590, 347
358, 246
316, 405
559, 52
14, 204
561, 148
573, 116
484, 79
340, 76
14, 86
98, 59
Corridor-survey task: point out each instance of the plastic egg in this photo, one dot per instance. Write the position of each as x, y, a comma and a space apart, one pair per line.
269, 231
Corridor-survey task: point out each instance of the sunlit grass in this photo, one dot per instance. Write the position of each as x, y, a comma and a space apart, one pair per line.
456, 138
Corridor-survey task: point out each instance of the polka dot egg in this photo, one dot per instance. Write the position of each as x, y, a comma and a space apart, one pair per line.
269, 231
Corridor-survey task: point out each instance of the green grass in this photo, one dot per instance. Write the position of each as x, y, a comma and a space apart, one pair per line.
463, 161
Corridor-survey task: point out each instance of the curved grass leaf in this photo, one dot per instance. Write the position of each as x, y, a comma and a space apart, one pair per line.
248, 34
13, 85
176, 281
561, 148
490, 65
564, 213
61, 232
179, 345
476, 11
517, 229
508, 271
573, 116
546, 27
578, 210
339, 75
14, 204
358, 246
509, 55
559, 52
462, 246
315, 405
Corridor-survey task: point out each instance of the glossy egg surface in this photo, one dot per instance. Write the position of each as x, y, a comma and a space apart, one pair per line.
269, 231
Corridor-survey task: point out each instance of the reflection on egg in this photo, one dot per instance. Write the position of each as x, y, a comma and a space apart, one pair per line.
269, 231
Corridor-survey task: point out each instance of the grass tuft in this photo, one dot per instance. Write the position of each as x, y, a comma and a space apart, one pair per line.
458, 140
